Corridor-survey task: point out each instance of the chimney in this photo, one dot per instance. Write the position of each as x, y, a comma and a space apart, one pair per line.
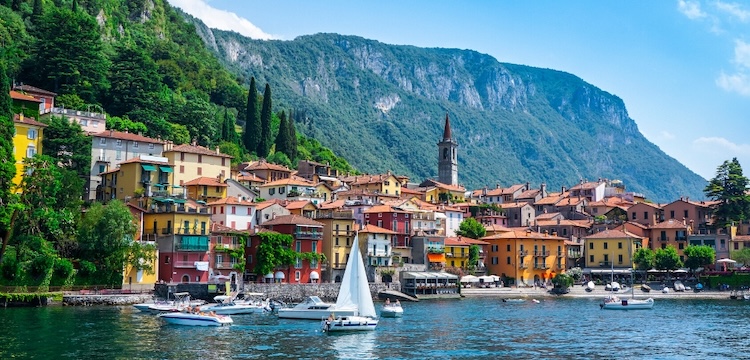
194, 143
127, 131
562, 189
217, 150
558, 221
111, 132
497, 185
527, 186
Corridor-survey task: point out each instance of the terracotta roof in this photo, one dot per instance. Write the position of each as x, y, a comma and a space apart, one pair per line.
265, 204
570, 201
138, 160
231, 200
205, 181
516, 233
371, 179
383, 209
448, 187
612, 234
264, 165
33, 89
329, 205
292, 220
120, 135
462, 241
529, 194
196, 149
551, 199
577, 223
21, 96
222, 229
513, 205
298, 204
586, 186
447, 128
513, 188
250, 177
288, 181
372, 229
547, 216
495, 228
27, 121
411, 191
669, 224
652, 205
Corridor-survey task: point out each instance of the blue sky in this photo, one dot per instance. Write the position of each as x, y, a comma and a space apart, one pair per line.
682, 67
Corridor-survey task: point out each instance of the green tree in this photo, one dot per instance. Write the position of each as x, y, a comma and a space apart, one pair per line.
667, 259
125, 124
38, 11
293, 152
282, 138
233, 150
8, 199
14, 40
473, 256
729, 187
106, 238
71, 101
134, 83
66, 142
264, 145
198, 117
699, 256
273, 251
471, 228
228, 132
251, 136
68, 56
741, 256
562, 281
179, 134
643, 258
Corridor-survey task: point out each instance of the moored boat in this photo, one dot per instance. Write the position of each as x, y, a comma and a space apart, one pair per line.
392, 310
313, 308
192, 319
226, 306
615, 303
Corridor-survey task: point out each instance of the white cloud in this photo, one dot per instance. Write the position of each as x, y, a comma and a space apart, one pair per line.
221, 19
742, 54
721, 145
691, 9
734, 10
739, 81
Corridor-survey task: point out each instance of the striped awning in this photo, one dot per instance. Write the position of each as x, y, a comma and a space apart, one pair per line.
436, 258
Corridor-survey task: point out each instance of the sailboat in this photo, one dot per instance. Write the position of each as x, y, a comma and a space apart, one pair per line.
353, 294
612, 302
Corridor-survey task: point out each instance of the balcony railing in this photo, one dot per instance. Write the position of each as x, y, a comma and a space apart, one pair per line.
344, 215
664, 238
540, 266
523, 252
224, 265
313, 235
184, 264
523, 266
223, 247
541, 253
605, 263
378, 254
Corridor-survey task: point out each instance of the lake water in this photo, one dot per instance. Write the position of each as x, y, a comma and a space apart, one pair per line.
469, 328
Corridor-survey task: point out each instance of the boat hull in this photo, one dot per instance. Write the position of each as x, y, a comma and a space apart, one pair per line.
350, 323
628, 304
234, 309
195, 319
316, 314
392, 311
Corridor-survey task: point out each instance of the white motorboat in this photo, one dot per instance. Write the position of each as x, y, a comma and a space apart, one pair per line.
392, 310
226, 306
354, 293
590, 286
191, 319
615, 303
180, 302
313, 308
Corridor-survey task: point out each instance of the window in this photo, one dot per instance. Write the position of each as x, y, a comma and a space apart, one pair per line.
203, 227
249, 211
298, 264
118, 143
200, 170
31, 134
221, 209
671, 214
182, 156
619, 259
605, 245
685, 214
591, 258
30, 151
507, 248
182, 169
271, 191
298, 246
315, 246
234, 210
118, 155
166, 259
296, 276
151, 146
223, 162
508, 260
619, 245
633, 216
102, 141
591, 247
380, 215
645, 215
200, 159
135, 144
281, 190
102, 168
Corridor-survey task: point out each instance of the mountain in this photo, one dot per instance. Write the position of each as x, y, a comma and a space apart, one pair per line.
382, 107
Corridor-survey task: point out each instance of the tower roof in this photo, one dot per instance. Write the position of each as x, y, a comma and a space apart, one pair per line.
447, 130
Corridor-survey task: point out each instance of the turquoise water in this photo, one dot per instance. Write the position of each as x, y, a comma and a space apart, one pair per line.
468, 328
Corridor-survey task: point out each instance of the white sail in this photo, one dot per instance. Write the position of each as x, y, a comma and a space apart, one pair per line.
355, 289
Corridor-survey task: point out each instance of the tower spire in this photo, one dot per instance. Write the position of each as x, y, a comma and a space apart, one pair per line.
447, 130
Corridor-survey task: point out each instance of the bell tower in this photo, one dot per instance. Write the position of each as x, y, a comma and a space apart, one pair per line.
447, 157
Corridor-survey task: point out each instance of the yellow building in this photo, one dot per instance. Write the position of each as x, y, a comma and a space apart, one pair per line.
206, 189
437, 192
142, 176
27, 142
610, 249
383, 184
193, 161
134, 279
338, 236
528, 257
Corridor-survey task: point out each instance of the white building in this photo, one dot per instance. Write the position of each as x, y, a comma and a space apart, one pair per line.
376, 245
238, 214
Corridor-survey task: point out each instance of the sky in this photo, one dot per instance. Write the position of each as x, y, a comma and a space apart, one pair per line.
682, 67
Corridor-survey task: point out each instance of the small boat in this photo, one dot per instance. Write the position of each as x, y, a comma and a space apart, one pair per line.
392, 310
679, 286
354, 293
615, 303
313, 308
645, 288
535, 301
226, 306
191, 319
181, 301
590, 286
513, 301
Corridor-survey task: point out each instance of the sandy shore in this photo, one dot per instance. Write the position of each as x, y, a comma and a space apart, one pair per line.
580, 292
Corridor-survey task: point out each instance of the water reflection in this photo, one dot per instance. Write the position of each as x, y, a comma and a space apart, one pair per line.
360, 345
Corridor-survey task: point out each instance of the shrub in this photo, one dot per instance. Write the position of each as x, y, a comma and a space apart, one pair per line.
63, 268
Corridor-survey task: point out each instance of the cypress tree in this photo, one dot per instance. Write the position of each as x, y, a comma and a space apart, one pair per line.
38, 11
228, 133
292, 138
251, 136
282, 139
264, 145
7, 160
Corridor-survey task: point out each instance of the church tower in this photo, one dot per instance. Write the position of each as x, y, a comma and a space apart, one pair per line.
447, 160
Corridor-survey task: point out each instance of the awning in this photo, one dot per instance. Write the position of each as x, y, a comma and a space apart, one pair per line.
436, 258
268, 276
314, 275
148, 167
279, 275
165, 168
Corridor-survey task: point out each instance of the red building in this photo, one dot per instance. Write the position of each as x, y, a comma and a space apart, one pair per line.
396, 220
308, 237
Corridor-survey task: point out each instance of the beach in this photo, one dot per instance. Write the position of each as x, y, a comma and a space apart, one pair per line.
599, 292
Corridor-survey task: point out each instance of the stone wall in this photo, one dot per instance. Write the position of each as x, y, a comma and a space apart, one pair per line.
295, 293
117, 299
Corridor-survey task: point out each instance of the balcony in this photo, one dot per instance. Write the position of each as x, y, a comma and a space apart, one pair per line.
226, 247
378, 254
224, 265
541, 253
102, 158
193, 243
342, 215
523, 252
664, 238
311, 235
605, 264
342, 232
540, 266
184, 264
523, 266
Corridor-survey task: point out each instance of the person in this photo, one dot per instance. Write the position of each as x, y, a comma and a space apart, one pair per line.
330, 317
398, 303
387, 301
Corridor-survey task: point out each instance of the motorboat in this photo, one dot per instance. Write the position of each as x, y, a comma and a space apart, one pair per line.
392, 310
590, 286
679, 286
514, 301
615, 303
313, 308
180, 302
353, 293
225, 305
193, 319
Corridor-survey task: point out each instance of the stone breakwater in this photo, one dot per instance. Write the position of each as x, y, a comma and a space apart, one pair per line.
114, 299
295, 293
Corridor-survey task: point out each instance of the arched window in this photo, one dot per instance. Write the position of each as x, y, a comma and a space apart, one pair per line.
186, 278
445, 153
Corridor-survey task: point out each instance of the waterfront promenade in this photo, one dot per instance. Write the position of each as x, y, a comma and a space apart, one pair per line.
580, 292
